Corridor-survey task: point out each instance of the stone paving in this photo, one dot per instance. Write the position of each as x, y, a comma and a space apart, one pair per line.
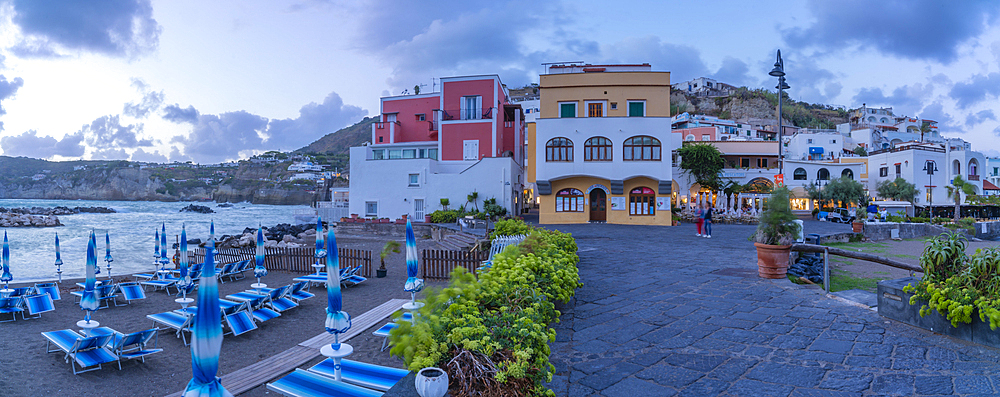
665, 313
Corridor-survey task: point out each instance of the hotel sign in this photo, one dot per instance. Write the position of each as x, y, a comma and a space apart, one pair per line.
732, 174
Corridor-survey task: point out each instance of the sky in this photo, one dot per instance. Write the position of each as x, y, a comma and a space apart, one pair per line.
184, 80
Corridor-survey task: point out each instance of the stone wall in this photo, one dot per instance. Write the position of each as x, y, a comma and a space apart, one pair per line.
987, 230
876, 231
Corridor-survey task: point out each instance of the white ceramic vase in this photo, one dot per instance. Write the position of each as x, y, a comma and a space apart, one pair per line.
431, 382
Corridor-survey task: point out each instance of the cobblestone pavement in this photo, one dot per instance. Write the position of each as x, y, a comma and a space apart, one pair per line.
665, 313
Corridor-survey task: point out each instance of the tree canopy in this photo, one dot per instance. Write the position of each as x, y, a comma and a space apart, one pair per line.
842, 190
955, 190
899, 190
704, 162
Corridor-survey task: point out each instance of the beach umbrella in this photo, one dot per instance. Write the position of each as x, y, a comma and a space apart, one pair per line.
156, 247
89, 300
163, 246
59, 261
259, 270
413, 284
185, 278
211, 236
206, 336
337, 320
107, 252
5, 276
320, 252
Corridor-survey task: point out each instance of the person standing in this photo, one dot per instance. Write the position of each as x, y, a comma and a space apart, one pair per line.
708, 221
699, 218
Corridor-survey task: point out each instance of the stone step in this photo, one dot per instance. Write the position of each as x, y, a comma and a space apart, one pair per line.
463, 237
449, 245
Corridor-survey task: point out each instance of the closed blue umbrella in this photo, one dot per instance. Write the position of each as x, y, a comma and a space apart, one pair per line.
259, 270
6, 276
206, 336
163, 246
211, 236
320, 252
183, 263
337, 320
156, 246
107, 252
413, 284
59, 261
89, 300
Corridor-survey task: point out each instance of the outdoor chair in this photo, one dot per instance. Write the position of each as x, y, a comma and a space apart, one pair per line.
224, 271
298, 293
310, 279
371, 376
107, 291
144, 276
84, 351
130, 346
383, 333
260, 311
12, 306
160, 283
131, 291
177, 321
303, 383
38, 304
187, 289
238, 270
22, 292
497, 245
224, 304
238, 319
278, 299
49, 288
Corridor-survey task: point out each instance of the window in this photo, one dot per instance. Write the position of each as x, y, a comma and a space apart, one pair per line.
559, 149
706, 137
409, 153
614, 106
395, 154
414, 179
809, 140
567, 109
800, 174
390, 118
761, 163
597, 148
379, 139
641, 201
833, 141
432, 154
744, 163
378, 154
421, 117
689, 138
847, 173
471, 108
898, 173
872, 119
637, 109
883, 172
823, 174
642, 148
595, 109
371, 208
569, 200
995, 170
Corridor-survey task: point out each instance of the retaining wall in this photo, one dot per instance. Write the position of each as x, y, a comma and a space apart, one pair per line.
988, 230
876, 231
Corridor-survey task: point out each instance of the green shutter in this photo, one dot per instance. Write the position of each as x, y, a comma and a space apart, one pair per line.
567, 110
636, 109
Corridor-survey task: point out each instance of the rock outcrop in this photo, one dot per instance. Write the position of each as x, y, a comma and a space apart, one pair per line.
201, 209
23, 220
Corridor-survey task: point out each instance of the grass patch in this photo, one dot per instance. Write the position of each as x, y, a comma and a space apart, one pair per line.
882, 273
907, 256
842, 280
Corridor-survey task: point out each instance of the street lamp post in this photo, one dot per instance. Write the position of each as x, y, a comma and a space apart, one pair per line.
930, 166
819, 188
779, 72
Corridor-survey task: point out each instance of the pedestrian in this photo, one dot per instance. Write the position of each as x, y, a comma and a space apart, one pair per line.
699, 218
708, 221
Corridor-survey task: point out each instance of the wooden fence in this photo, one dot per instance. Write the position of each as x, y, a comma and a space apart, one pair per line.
298, 260
438, 264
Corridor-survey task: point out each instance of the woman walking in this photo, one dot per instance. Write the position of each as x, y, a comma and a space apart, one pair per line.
699, 218
708, 221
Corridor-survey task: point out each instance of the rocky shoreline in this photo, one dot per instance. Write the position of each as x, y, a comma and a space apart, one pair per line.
58, 210
283, 235
23, 220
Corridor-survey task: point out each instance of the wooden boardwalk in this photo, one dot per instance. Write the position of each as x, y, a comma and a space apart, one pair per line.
264, 371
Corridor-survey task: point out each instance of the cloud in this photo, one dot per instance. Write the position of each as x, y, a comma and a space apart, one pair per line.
733, 71
149, 157
8, 89
684, 62
151, 101
946, 122
119, 28
216, 138
912, 29
31, 145
314, 121
109, 154
982, 116
107, 132
907, 98
175, 113
809, 82
977, 89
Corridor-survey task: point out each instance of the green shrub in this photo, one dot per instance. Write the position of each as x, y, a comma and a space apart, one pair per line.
509, 227
917, 219
491, 208
494, 334
439, 216
938, 221
894, 218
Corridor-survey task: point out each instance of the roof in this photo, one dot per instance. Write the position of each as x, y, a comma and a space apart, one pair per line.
987, 185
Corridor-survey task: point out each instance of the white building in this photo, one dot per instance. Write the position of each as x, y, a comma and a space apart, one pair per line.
815, 145
305, 166
909, 161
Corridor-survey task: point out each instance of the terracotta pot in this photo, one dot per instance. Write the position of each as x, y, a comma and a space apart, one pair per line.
858, 227
772, 260
427, 219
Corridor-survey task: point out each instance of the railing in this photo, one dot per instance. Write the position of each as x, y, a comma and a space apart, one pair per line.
827, 251
911, 147
467, 114
438, 264
382, 124
298, 260
973, 177
433, 125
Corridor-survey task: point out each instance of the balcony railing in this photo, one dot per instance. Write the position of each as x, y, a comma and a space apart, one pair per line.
973, 177
467, 114
900, 149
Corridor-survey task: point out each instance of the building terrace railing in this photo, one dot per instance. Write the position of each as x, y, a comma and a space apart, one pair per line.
912, 147
467, 114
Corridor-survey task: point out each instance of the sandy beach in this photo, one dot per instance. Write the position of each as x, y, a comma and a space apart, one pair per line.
25, 368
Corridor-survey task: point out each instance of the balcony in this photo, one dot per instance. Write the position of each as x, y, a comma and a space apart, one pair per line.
973, 177
909, 147
467, 114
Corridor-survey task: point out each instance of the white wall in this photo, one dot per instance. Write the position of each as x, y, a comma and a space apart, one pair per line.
911, 169
798, 145
617, 129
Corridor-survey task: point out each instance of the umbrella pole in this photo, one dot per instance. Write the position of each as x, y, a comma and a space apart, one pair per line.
336, 351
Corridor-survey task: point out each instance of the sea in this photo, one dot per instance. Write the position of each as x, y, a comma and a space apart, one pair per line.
131, 228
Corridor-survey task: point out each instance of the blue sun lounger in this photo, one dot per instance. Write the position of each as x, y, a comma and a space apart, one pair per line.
298, 292
160, 283
260, 311
11, 306
383, 333
129, 346
303, 383
279, 300
311, 279
49, 288
177, 321
131, 291
104, 291
83, 351
362, 374
38, 304
239, 319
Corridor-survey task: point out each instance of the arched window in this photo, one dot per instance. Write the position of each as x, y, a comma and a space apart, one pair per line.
759, 185
973, 168
884, 120
823, 174
847, 173
559, 149
872, 119
642, 201
642, 148
689, 138
956, 167
569, 200
800, 174
597, 148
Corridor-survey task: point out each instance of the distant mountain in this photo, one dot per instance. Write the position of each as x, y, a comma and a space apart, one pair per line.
340, 142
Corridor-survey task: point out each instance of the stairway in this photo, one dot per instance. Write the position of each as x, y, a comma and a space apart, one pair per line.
458, 242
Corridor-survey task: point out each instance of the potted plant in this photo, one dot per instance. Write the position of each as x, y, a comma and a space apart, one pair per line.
858, 225
776, 231
444, 203
391, 246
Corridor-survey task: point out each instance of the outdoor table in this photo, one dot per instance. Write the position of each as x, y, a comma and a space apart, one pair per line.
318, 267
5, 293
184, 302
258, 287
87, 326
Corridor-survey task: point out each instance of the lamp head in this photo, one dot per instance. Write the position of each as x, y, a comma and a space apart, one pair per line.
781, 84
779, 67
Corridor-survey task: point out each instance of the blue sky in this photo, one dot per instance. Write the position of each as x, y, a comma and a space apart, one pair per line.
221, 80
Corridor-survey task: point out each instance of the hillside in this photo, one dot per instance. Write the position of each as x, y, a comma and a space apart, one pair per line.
746, 104
339, 142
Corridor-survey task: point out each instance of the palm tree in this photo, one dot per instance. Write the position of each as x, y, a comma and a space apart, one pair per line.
959, 186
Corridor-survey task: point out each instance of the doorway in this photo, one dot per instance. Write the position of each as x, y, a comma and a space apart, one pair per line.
598, 206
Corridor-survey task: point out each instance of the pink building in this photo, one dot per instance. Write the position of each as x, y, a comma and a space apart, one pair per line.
468, 128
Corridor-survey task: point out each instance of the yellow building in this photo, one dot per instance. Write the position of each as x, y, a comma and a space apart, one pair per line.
602, 145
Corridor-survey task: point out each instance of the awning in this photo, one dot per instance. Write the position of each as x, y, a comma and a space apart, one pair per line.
815, 150
799, 192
